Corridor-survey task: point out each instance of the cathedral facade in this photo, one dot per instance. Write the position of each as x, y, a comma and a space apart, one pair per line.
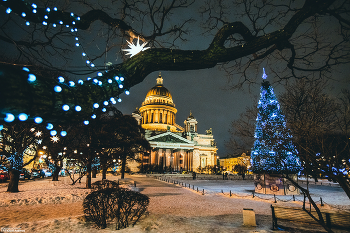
173, 147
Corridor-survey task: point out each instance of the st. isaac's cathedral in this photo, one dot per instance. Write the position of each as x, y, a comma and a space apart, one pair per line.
182, 149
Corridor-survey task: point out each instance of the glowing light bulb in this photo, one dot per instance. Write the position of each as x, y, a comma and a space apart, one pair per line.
65, 107
25, 69
116, 78
77, 108
9, 117
127, 92
96, 105
55, 8
38, 120
49, 126
92, 65
34, 5
61, 22
54, 25
48, 9
95, 80
46, 17
84, 54
86, 122
34, 11
81, 82
100, 83
63, 133
53, 132
121, 78
23, 117
44, 23
110, 81
99, 74
58, 89
120, 85
105, 103
77, 44
27, 23
71, 83
93, 116
87, 62
104, 109
31, 77
23, 14
61, 79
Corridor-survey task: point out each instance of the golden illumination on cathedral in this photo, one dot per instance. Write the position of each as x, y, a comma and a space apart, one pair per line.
158, 111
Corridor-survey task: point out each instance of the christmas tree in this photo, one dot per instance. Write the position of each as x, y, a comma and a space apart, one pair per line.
273, 150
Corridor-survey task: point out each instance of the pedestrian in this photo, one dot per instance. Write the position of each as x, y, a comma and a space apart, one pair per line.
42, 173
194, 175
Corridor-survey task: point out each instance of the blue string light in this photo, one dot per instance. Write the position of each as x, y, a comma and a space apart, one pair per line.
57, 89
49, 126
31, 78
9, 117
61, 79
65, 107
38, 120
22, 117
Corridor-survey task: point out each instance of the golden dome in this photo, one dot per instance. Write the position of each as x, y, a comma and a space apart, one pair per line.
158, 111
159, 90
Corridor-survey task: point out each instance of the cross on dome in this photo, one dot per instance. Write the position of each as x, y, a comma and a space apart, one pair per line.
160, 80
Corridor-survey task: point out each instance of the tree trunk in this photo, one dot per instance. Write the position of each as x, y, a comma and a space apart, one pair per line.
104, 173
94, 172
88, 172
123, 167
55, 173
14, 179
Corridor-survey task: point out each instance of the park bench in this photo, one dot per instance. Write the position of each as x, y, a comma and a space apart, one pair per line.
333, 219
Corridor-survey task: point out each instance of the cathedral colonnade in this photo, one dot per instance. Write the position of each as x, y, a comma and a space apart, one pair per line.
177, 159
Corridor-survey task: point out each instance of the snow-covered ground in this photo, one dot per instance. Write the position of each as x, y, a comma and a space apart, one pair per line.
331, 193
46, 206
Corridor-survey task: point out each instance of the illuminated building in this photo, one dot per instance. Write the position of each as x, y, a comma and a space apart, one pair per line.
174, 148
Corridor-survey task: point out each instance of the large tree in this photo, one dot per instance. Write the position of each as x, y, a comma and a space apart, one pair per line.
18, 140
294, 34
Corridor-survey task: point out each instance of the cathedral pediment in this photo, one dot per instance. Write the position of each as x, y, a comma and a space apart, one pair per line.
169, 137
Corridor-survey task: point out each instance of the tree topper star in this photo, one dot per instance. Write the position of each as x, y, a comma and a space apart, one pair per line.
135, 49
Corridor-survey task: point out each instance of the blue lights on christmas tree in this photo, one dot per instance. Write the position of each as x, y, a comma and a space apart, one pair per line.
273, 151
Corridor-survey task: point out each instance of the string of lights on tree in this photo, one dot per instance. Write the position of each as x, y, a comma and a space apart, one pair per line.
107, 83
273, 151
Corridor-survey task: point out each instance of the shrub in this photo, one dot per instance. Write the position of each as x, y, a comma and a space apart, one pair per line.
115, 204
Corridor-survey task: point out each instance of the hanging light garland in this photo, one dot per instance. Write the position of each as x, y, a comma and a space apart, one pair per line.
30, 12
